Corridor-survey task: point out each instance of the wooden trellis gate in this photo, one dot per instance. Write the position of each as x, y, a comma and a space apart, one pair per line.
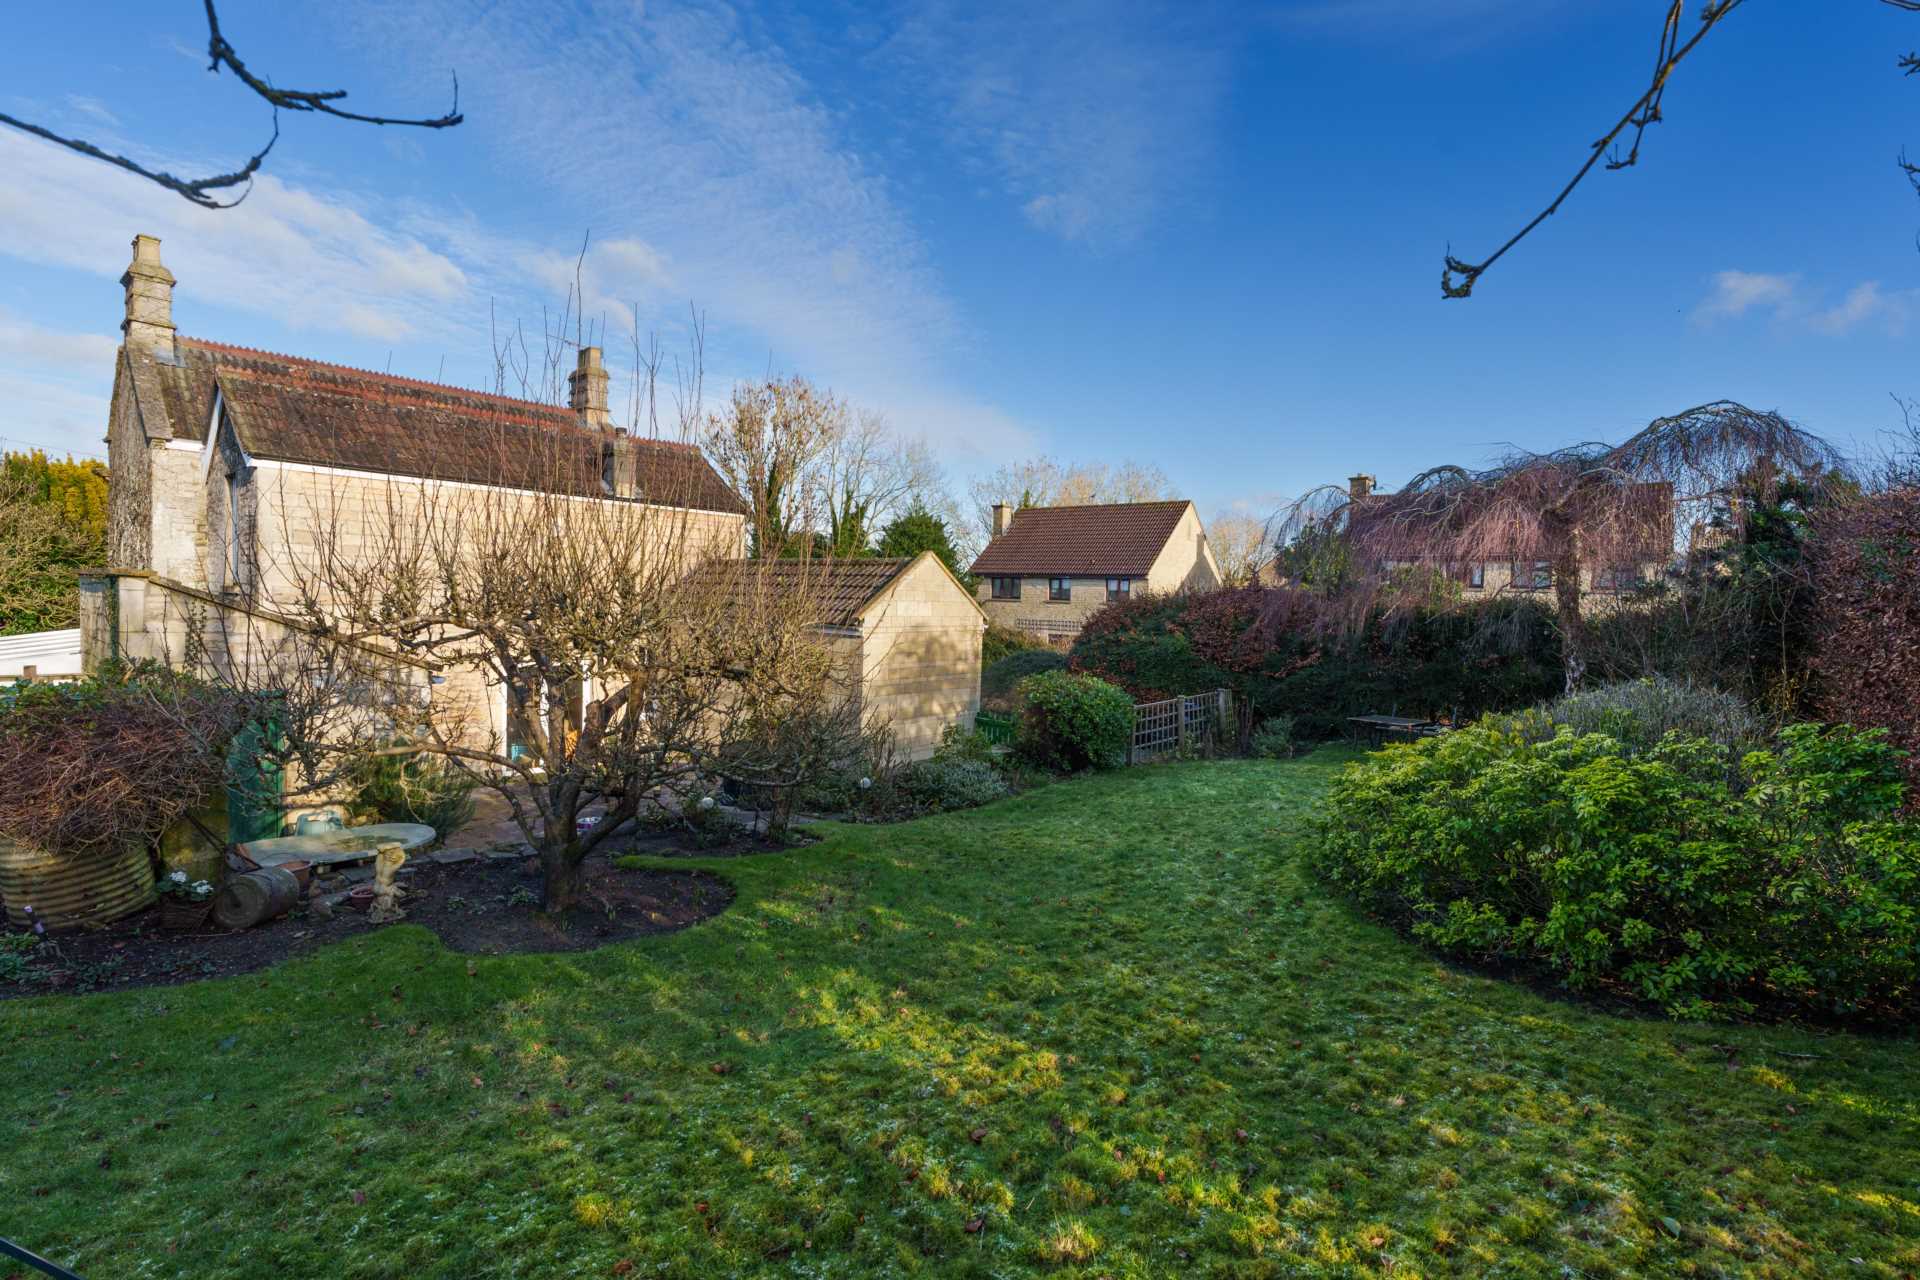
1198, 722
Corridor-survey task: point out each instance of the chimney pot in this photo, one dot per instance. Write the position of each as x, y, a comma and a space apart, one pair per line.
148, 321
587, 389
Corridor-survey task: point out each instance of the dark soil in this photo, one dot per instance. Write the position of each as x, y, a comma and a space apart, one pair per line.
680, 844
485, 906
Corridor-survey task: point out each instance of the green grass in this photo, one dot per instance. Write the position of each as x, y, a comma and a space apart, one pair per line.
1111, 1021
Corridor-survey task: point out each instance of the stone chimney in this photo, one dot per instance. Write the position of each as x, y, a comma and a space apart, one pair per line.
587, 389
619, 464
1002, 518
1359, 487
148, 324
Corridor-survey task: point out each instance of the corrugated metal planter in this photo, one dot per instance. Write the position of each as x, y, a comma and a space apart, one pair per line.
67, 893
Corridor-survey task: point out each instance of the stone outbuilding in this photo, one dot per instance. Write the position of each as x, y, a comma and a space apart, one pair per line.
907, 629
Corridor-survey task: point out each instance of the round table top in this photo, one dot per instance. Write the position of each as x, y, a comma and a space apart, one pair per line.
348, 844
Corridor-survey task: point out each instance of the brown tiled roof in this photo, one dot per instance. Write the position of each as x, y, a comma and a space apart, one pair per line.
842, 588
1122, 539
290, 409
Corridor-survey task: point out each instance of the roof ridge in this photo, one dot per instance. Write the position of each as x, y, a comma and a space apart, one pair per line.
560, 414
1108, 506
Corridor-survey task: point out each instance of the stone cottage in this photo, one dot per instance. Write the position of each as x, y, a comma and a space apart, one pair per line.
232, 468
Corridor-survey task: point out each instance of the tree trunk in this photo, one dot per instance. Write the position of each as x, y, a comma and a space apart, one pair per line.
560, 870
1575, 641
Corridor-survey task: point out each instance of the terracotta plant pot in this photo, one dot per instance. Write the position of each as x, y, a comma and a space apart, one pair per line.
302, 872
71, 892
180, 914
360, 897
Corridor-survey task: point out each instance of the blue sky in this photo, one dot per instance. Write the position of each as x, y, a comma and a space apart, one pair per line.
1203, 236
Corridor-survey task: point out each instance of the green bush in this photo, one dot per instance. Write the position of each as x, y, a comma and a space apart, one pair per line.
422, 788
998, 681
1651, 872
1641, 713
933, 786
1072, 722
965, 744
1282, 653
1273, 740
1002, 641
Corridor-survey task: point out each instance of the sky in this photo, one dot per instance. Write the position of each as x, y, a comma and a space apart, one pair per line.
1202, 236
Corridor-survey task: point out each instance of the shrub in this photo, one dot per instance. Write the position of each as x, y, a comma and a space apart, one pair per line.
423, 788
1867, 653
1652, 873
1073, 722
965, 744
932, 786
1001, 641
95, 764
1640, 713
998, 681
1280, 655
1273, 740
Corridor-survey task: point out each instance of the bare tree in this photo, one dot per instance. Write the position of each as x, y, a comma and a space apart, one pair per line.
870, 473
221, 53
1459, 276
769, 443
1592, 514
1241, 544
1044, 482
628, 673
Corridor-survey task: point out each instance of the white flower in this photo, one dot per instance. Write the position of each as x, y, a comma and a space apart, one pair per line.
706, 802
201, 886
178, 877
866, 784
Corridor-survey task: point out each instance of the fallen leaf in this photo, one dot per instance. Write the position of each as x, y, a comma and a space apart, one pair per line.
623, 1266
975, 1226
978, 1135
359, 1197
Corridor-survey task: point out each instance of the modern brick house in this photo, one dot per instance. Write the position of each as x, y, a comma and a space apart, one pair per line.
1048, 568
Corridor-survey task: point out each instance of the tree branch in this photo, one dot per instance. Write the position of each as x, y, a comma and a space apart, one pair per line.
199, 190
1458, 277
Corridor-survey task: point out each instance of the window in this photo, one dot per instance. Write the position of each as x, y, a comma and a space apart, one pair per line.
234, 547
1536, 576
1006, 588
1059, 588
1620, 578
1476, 577
1119, 588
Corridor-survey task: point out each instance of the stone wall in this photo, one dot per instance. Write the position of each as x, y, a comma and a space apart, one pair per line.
920, 650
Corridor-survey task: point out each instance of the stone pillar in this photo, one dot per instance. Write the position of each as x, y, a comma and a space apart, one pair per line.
148, 323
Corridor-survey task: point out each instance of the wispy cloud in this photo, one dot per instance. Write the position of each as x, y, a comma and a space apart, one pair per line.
50, 381
1788, 302
1093, 117
1734, 293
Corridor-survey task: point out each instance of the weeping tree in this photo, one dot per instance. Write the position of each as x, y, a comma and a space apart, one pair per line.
1596, 516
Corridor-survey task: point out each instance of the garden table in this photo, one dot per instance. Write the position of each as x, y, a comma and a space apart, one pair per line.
348, 844
1379, 728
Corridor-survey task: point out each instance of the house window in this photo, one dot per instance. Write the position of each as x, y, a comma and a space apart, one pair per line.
1059, 588
1476, 577
1534, 576
1621, 578
1006, 588
1119, 588
233, 530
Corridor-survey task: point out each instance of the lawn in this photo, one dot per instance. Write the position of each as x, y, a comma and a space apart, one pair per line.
1109, 1028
